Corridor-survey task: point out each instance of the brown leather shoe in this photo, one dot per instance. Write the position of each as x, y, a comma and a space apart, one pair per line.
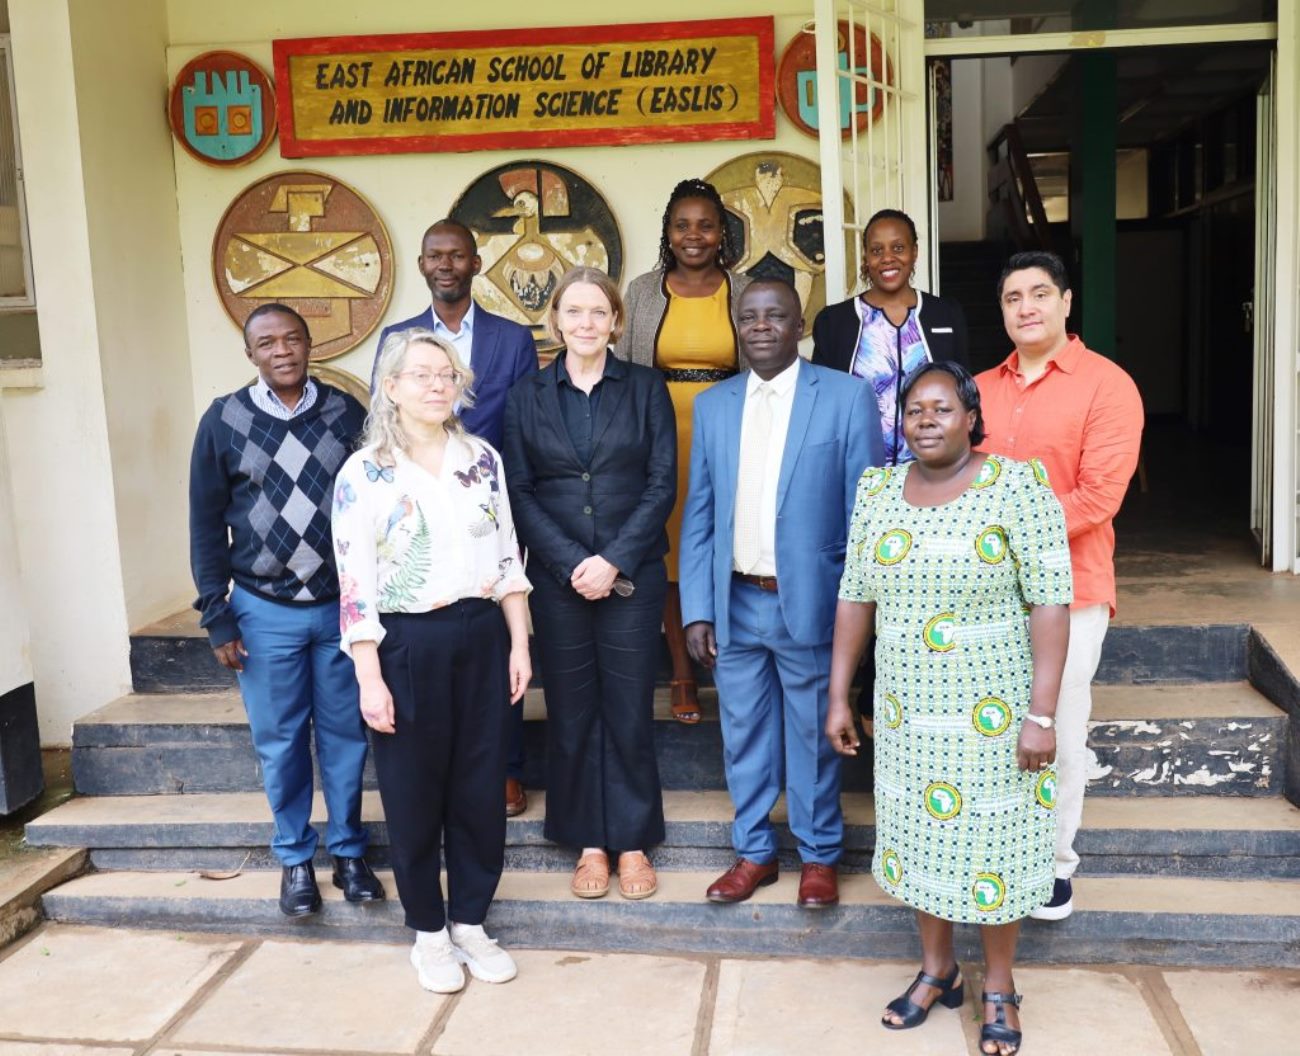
516, 797
819, 886
742, 880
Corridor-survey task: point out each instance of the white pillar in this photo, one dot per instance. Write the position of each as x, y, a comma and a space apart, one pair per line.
1286, 483
61, 474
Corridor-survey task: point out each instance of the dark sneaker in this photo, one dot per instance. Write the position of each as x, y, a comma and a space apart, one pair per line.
1059, 906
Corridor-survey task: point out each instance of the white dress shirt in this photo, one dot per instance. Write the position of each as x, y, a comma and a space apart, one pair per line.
266, 399
461, 340
782, 386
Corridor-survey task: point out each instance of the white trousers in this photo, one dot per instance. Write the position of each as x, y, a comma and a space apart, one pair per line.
1073, 710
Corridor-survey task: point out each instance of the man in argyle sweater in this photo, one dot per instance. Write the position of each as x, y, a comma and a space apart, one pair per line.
261, 487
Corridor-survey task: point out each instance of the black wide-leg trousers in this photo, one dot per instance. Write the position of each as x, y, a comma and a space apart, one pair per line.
598, 661
442, 773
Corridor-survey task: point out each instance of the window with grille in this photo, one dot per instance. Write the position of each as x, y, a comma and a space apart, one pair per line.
15, 263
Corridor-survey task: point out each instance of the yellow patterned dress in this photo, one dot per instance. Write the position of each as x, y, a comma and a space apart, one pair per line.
696, 339
961, 833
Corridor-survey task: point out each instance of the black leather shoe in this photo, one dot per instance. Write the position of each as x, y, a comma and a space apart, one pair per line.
357, 881
299, 895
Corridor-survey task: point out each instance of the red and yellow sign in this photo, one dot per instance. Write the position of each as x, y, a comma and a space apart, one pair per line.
486, 90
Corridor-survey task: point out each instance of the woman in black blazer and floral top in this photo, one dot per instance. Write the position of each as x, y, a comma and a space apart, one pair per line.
890, 329
590, 457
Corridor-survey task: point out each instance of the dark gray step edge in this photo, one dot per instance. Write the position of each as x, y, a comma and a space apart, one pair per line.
1161, 653
1212, 756
1188, 939
690, 846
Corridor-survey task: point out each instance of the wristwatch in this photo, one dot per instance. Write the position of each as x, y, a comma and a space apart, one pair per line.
1045, 721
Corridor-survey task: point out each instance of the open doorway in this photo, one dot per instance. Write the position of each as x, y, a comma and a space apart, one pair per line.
1184, 154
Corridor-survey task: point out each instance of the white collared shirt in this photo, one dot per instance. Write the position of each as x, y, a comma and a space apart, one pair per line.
266, 400
462, 340
782, 386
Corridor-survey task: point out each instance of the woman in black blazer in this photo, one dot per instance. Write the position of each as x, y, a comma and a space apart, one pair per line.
890, 329
590, 457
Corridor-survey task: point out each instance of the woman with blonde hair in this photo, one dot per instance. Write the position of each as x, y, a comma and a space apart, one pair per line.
434, 616
591, 461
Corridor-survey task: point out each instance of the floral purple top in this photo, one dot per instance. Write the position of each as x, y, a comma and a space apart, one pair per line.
407, 541
885, 355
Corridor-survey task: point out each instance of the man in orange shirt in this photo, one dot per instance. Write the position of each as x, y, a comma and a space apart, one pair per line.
1076, 417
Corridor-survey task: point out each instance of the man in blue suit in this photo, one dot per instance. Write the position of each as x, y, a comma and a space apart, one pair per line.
775, 461
499, 352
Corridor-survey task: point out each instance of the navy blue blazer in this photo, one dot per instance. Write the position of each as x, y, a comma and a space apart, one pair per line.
617, 506
502, 352
834, 436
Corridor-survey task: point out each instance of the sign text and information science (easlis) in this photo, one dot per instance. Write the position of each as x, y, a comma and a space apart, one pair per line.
486, 90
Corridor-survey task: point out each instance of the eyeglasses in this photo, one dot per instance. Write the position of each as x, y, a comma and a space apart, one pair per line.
624, 587
425, 379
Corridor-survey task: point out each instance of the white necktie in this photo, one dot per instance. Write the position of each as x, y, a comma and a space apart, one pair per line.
749, 486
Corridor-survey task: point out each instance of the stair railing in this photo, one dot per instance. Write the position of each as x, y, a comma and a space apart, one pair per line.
1015, 203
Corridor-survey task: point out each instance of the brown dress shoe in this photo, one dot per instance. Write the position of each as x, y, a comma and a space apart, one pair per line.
742, 880
516, 797
819, 886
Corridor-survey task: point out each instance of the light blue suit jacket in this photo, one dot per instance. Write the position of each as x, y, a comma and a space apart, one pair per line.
834, 435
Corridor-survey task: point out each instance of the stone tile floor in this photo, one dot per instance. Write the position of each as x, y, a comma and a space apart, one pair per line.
76, 991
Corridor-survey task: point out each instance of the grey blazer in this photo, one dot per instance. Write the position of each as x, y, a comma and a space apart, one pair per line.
645, 306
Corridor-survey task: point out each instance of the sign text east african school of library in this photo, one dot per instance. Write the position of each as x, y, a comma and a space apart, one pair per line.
590, 85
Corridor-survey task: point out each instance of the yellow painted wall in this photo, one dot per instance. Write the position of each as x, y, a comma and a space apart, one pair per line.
126, 147
411, 190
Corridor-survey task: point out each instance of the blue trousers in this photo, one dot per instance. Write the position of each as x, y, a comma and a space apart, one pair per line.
772, 694
295, 678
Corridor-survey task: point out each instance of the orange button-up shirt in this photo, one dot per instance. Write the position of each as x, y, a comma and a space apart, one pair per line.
1082, 418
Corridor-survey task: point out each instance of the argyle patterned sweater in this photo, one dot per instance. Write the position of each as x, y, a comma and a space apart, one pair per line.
260, 501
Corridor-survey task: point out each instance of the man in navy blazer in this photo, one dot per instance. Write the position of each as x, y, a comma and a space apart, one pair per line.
775, 460
499, 352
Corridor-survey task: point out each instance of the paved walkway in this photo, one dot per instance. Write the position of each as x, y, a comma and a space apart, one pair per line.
71, 991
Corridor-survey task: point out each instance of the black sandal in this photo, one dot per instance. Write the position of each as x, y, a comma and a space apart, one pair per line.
951, 995
998, 1032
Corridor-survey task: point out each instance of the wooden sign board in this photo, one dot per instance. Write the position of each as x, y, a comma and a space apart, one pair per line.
489, 90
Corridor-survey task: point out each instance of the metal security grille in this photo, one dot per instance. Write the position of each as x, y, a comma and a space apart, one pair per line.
1264, 319
870, 61
15, 268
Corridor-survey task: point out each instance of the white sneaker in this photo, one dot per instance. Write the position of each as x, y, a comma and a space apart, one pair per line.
1060, 905
482, 956
436, 963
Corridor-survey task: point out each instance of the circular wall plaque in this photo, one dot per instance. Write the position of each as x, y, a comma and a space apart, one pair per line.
222, 108
774, 211
313, 243
533, 222
796, 80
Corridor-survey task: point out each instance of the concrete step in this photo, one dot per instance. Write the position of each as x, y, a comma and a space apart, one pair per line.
1211, 738
172, 656
1117, 920
1168, 835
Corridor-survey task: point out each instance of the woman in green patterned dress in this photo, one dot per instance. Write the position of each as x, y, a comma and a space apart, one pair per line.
947, 555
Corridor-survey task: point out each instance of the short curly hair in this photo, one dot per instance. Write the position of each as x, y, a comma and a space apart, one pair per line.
967, 391
728, 252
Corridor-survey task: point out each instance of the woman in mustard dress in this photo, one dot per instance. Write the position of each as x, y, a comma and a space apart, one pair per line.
680, 318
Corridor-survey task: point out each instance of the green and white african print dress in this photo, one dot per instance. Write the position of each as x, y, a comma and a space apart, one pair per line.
961, 833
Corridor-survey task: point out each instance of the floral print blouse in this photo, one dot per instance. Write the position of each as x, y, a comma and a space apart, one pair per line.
886, 354
407, 541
